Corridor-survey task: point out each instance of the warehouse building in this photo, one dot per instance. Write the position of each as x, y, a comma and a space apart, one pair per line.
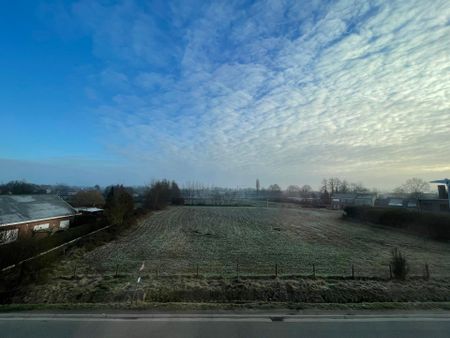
339, 201
27, 216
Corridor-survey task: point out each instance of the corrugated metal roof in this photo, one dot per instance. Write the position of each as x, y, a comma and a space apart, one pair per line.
25, 208
343, 195
353, 195
90, 209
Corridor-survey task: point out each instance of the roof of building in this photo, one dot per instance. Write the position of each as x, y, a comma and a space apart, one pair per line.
26, 208
344, 195
89, 209
353, 195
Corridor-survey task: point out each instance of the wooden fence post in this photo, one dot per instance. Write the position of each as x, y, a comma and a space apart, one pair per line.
353, 271
390, 271
197, 271
117, 270
427, 272
237, 269
276, 270
314, 270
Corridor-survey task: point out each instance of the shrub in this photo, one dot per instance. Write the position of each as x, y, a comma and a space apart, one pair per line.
399, 265
434, 225
119, 205
178, 201
161, 193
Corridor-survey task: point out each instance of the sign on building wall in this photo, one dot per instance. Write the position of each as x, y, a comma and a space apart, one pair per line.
8, 236
41, 227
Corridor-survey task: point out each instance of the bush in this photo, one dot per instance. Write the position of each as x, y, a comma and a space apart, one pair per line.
434, 225
161, 193
178, 201
399, 265
119, 205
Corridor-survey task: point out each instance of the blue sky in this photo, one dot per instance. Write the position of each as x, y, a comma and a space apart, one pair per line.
223, 92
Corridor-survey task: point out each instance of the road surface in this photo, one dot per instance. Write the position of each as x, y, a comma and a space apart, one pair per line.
240, 325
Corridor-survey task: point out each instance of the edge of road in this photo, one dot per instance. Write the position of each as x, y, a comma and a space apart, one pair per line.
230, 308
242, 317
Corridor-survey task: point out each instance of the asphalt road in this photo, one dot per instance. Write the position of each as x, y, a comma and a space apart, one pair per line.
218, 326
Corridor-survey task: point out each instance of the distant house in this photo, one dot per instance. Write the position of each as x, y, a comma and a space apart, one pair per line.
396, 202
25, 216
339, 201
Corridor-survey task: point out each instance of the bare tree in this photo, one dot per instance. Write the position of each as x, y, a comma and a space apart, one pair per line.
324, 185
414, 187
344, 187
334, 184
88, 198
357, 187
274, 188
257, 186
305, 190
293, 190
216, 197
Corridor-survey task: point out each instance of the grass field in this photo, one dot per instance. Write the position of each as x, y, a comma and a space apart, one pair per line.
215, 238
173, 242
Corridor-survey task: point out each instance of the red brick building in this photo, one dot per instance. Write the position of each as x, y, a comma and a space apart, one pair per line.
26, 216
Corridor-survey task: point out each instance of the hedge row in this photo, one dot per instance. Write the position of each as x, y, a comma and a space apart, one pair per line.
433, 225
17, 251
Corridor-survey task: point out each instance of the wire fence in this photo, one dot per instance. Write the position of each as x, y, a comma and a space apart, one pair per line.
150, 269
237, 266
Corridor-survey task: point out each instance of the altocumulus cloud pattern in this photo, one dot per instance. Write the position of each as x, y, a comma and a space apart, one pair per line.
284, 90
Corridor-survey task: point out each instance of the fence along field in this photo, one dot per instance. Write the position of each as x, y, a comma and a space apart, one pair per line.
258, 241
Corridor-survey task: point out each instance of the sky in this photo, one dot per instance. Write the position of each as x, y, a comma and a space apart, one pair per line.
224, 92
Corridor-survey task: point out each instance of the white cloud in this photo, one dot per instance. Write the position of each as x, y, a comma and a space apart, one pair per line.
284, 91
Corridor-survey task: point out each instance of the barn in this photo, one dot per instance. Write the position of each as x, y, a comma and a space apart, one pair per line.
27, 216
340, 200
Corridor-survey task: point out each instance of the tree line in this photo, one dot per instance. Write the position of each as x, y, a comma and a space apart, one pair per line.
119, 202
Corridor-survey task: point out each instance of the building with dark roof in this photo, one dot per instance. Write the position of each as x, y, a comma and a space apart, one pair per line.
341, 200
25, 216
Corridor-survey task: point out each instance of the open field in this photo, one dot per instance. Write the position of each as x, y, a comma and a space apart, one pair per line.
173, 242
215, 238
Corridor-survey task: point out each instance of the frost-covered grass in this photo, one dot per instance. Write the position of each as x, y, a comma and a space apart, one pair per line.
173, 242
176, 240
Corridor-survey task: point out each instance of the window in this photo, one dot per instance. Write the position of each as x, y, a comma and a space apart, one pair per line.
8, 236
41, 227
64, 224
